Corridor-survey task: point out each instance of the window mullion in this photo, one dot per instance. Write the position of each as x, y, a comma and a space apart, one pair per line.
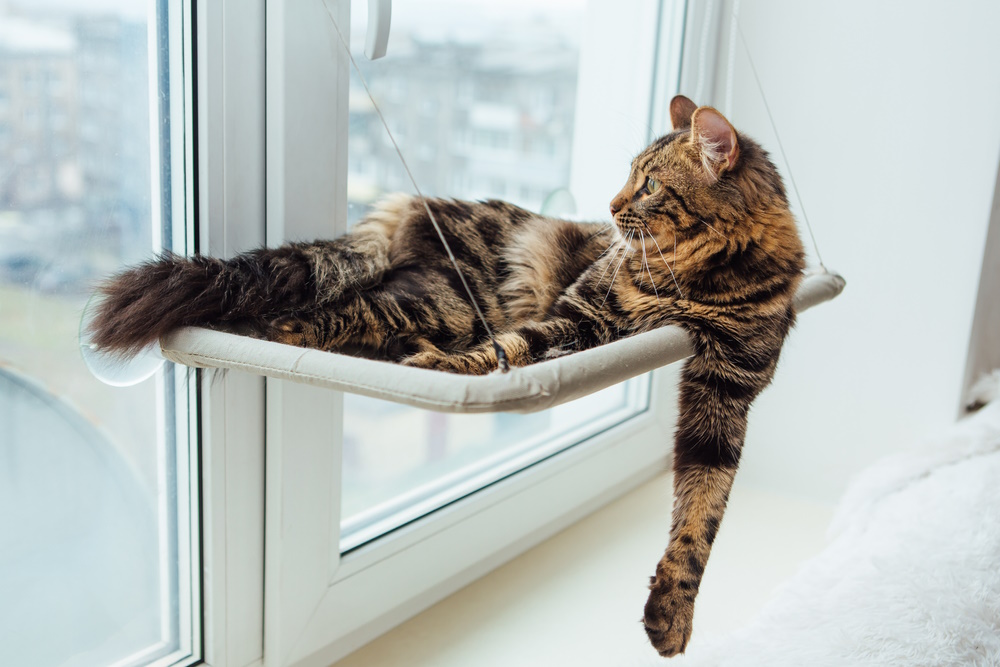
306, 186
229, 159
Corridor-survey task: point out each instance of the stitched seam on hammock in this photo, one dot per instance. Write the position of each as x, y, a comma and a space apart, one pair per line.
360, 385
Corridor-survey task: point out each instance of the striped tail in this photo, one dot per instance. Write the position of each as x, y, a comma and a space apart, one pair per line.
142, 303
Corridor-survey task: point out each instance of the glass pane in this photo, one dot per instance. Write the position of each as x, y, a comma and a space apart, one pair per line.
481, 97
94, 502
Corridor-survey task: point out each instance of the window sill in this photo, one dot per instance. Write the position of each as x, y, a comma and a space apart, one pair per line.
577, 598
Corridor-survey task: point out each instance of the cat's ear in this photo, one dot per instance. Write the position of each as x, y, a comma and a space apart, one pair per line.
681, 110
715, 140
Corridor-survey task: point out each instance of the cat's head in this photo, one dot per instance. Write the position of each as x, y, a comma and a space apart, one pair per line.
704, 179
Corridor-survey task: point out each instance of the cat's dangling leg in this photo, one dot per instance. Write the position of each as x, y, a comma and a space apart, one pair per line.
715, 397
700, 495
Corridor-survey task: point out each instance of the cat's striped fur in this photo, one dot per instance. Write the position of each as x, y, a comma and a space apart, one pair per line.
703, 238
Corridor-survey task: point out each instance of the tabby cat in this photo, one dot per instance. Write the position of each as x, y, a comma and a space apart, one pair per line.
703, 238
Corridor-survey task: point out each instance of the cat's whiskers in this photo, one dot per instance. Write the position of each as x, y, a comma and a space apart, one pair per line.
645, 263
712, 228
665, 263
604, 226
614, 244
628, 242
627, 245
617, 245
642, 244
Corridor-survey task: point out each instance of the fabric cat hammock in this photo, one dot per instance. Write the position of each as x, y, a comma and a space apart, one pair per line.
522, 389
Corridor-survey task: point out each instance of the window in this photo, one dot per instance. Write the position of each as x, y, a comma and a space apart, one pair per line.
295, 546
389, 480
361, 496
98, 521
524, 93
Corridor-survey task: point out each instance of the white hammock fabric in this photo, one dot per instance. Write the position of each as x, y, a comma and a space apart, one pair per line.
522, 389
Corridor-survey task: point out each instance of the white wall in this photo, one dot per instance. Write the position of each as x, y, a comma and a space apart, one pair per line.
890, 115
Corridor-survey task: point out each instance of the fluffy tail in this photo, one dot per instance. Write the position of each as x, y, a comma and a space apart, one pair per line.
144, 302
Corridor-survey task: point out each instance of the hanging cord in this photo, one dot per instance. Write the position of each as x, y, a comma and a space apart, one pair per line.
501, 355
730, 66
706, 25
781, 149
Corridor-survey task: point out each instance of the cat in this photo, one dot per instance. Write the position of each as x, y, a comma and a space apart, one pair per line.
703, 238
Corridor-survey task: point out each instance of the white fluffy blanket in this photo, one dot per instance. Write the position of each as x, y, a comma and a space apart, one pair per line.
911, 575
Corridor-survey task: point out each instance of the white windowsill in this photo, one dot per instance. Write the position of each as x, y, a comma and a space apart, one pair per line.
577, 598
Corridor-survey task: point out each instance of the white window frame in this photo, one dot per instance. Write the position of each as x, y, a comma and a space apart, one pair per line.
169, 52
229, 159
171, 155
272, 88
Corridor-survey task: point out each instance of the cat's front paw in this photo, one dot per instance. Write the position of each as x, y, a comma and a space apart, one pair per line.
667, 616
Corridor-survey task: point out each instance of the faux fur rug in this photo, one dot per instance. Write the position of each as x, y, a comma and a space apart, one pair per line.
911, 575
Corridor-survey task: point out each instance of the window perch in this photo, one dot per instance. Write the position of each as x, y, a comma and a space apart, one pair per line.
522, 389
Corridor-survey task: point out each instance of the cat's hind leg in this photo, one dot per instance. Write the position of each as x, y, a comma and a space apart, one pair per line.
403, 316
298, 330
359, 259
353, 323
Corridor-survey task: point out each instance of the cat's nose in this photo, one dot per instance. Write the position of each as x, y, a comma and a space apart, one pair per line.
618, 203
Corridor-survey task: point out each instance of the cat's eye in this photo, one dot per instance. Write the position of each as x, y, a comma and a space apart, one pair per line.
652, 185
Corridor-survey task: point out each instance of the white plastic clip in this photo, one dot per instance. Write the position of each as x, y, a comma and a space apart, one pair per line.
379, 18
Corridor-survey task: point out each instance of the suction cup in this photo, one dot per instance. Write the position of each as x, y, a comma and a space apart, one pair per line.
110, 369
559, 204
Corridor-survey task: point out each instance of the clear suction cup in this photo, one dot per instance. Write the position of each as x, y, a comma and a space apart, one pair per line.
110, 369
559, 204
